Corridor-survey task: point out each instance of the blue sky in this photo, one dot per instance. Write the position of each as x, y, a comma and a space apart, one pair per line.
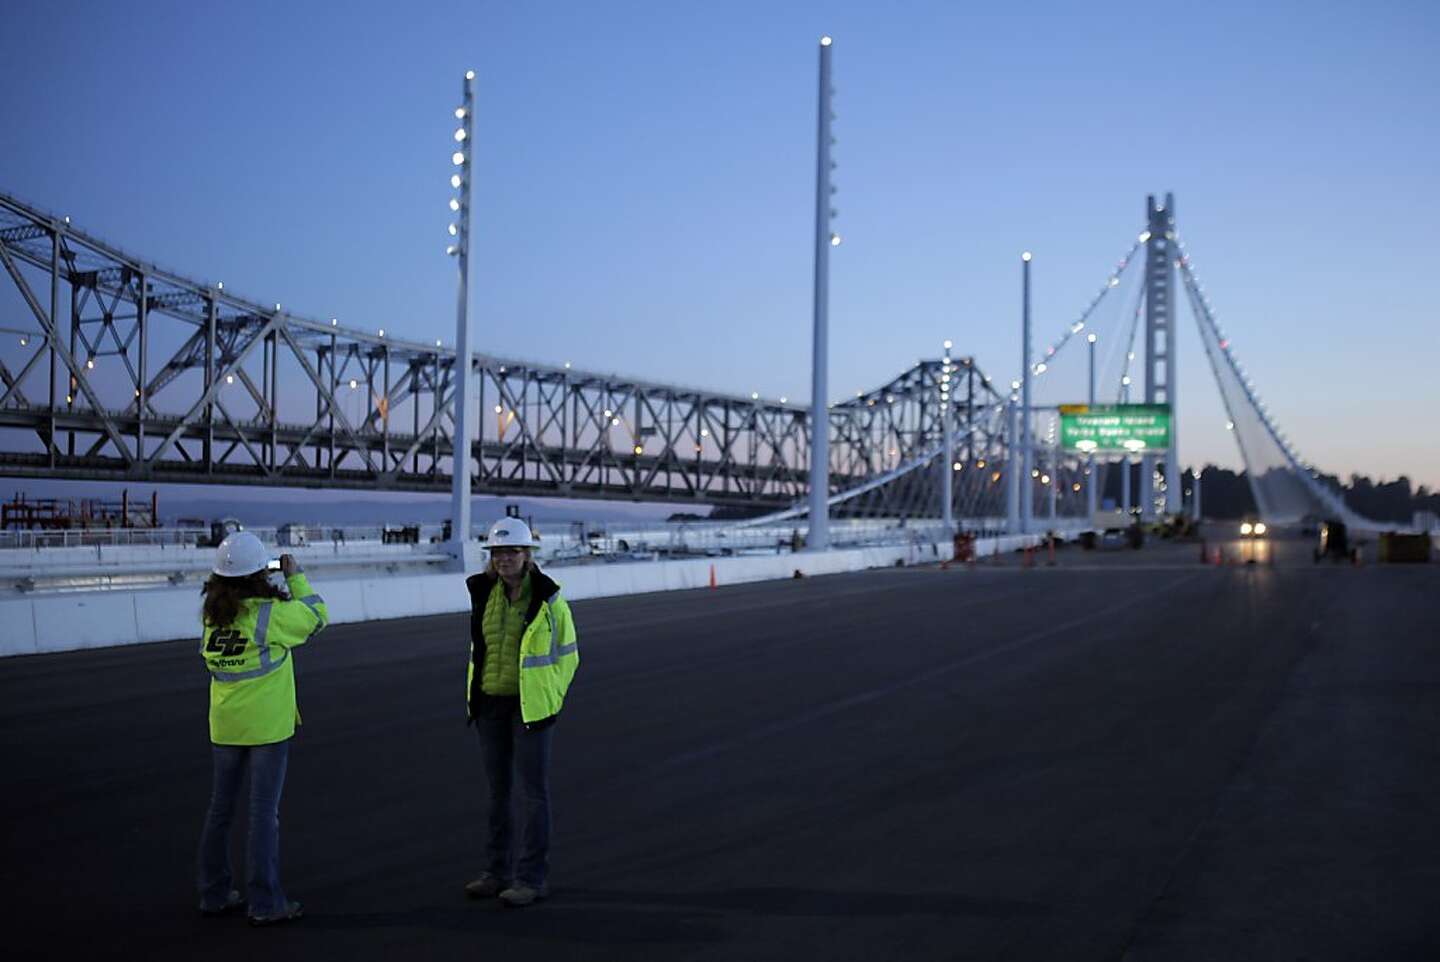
644, 182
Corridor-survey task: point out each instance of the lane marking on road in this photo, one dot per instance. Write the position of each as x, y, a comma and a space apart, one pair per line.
866, 697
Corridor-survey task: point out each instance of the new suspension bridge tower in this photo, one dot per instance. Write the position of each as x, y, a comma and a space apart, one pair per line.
1160, 338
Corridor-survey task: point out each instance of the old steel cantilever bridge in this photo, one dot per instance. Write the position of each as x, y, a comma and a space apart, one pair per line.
117, 369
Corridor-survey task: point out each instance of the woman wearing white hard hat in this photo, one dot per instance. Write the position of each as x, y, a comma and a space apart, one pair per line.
250, 625
522, 658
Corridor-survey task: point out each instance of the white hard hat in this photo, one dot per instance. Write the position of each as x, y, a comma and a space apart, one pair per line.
510, 533
240, 554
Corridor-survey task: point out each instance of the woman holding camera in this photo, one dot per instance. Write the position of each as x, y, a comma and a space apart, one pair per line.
250, 627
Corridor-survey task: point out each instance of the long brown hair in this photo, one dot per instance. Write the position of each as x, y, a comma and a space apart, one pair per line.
223, 596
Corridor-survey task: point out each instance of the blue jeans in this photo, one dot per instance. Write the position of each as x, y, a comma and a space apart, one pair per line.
510, 750
267, 765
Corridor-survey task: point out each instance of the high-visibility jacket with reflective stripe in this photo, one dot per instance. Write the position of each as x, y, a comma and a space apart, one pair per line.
549, 653
252, 674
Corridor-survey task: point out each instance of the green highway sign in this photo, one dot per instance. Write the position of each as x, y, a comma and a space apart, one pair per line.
1129, 428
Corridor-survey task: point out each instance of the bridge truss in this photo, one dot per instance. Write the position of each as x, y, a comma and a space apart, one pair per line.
114, 369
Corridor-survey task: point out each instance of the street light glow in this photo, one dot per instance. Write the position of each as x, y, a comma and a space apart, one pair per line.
1025, 256
826, 41
457, 158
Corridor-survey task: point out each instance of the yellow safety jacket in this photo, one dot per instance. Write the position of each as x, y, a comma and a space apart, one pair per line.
252, 676
549, 654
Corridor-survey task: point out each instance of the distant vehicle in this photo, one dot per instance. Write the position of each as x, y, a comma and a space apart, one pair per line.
1334, 543
1252, 529
1108, 528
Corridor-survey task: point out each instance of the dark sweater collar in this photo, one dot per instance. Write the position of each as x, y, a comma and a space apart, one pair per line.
542, 589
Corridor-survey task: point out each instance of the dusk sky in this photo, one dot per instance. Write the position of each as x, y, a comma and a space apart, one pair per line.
644, 188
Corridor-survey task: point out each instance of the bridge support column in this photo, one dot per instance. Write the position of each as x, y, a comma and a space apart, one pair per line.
1160, 367
1126, 469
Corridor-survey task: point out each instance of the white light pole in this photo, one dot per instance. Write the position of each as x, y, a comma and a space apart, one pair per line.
1054, 478
1092, 483
947, 474
459, 248
819, 539
1027, 498
1013, 468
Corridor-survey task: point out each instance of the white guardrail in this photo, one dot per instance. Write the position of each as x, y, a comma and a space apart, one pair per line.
38, 622
41, 560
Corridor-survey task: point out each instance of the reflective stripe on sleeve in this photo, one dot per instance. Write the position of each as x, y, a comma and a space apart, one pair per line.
556, 652
310, 601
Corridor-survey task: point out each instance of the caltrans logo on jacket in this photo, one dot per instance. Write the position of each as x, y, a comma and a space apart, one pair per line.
252, 673
549, 653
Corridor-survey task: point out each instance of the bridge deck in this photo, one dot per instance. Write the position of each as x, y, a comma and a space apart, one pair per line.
904, 764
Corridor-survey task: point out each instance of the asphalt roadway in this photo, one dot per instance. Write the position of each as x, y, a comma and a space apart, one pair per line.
1126, 756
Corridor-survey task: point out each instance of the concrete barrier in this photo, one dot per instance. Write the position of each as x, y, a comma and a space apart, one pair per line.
69, 621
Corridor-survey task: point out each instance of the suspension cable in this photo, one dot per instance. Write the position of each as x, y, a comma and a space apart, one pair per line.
1205, 316
1122, 388
1075, 327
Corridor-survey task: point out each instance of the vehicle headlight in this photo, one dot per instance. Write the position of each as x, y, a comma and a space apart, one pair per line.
1246, 528
1259, 527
